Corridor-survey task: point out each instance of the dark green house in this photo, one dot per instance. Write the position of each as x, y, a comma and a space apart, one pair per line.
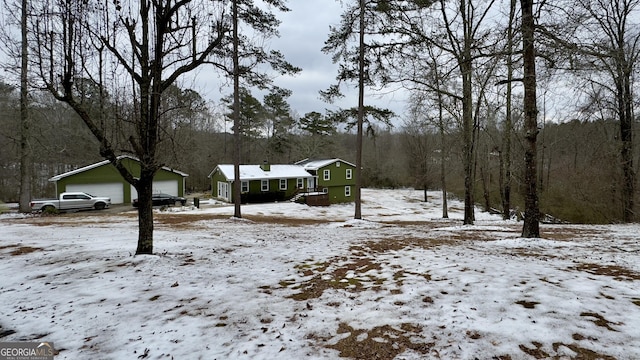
260, 183
334, 177
102, 179
331, 180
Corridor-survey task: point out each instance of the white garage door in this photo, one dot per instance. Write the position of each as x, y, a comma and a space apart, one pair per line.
168, 187
112, 190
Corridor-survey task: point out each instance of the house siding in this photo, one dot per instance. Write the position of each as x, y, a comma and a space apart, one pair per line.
337, 181
109, 174
338, 186
216, 178
255, 189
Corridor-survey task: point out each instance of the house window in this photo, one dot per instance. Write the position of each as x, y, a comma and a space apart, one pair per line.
245, 186
325, 190
300, 184
264, 185
338, 164
347, 191
283, 184
349, 174
327, 175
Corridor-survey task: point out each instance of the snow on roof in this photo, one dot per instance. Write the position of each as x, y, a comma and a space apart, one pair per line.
255, 172
105, 162
315, 164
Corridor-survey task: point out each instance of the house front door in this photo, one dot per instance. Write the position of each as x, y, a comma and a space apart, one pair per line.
223, 191
311, 184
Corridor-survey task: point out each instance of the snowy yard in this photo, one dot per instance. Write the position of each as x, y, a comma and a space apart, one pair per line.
294, 282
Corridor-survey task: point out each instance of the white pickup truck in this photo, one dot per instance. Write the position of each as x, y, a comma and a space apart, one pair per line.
71, 201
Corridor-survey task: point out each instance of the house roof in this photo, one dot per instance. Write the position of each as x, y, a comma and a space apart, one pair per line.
105, 162
255, 172
315, 164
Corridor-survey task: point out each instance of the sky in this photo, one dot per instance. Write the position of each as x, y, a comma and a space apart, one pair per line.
290, 281
303, 31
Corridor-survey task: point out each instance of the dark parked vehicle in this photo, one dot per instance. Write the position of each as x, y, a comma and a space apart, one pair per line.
160, 199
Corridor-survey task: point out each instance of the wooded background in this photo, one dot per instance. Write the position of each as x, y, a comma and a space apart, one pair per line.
579, 172
461, 64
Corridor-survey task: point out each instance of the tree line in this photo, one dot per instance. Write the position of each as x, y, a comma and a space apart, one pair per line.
579, 175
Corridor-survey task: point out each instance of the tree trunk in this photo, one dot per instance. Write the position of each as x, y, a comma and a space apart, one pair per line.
505, 154
485, 178
626, 152
443, 152
26, 159
466, 68
144, 187
237, 185
358, 172
531, 227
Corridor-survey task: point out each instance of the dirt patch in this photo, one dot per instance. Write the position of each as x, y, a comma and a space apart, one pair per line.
615, 271
5, 332
527, 304
286, 221
356, 272
583, 353
184, 221
536, 351
348, 276
567, 233
599, 320
380, 343
75, 219
20, 250
388, 245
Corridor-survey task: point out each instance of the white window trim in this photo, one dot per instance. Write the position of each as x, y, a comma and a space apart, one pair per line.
262, 185
283, 184
347, 191
244, 186
349, 174
325, 190
326, 175
300, 183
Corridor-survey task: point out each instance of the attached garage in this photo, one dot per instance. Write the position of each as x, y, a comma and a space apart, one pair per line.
102, 179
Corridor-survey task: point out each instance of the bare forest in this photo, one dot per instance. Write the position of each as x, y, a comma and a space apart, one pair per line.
464, 129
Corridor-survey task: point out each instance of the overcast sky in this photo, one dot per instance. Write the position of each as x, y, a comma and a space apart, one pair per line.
302, 34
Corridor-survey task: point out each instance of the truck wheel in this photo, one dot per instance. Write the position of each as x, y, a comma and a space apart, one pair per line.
48, 209
99, 206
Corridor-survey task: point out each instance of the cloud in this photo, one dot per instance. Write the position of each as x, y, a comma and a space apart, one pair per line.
303, 31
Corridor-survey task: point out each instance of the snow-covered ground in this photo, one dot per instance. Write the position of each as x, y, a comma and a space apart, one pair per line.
295, 282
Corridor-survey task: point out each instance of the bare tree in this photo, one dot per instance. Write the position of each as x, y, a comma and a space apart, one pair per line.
505, 152
357, 22
460, 30
151, 44
615, 46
